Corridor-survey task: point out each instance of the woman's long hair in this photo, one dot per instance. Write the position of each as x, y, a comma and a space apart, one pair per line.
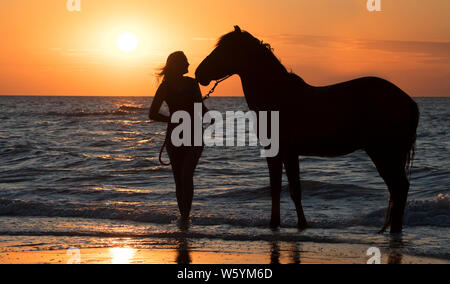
174, 66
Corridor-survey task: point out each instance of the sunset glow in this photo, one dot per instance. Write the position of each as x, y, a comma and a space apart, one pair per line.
127, 42
114, 48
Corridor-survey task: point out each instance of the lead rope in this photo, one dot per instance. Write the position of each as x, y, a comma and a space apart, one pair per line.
214, 87
208, 95
161, 153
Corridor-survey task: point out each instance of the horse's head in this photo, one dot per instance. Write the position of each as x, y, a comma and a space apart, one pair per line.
228, 58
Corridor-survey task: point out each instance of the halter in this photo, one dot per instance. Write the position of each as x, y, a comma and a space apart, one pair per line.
214, 87
208, 95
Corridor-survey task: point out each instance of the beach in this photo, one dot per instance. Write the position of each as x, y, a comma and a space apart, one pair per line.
224, 253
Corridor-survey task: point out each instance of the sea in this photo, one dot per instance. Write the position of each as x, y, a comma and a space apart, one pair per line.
83, 172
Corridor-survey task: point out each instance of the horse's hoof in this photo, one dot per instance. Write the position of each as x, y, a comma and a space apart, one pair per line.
274, 225
382, 231
396, 230
302, 226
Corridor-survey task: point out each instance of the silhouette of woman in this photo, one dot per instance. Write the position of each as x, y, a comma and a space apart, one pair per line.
180, 93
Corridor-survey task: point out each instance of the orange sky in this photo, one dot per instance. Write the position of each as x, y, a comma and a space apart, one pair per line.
47, 50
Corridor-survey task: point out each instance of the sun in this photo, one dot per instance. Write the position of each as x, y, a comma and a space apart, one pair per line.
127, 42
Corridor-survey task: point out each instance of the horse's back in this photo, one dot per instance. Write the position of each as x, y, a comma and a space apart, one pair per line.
348, 116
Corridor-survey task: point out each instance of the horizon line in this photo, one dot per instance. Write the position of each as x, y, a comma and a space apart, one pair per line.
103, 96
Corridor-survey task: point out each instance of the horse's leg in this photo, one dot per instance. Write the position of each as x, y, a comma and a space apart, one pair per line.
400, 185
391, 166
275, 171
291, 164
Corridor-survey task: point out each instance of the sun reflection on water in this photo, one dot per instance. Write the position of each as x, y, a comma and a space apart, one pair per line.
122, 255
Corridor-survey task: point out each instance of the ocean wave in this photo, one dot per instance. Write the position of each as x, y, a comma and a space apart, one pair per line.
312, 189
125, 211
131, 108
322, 190
269, 237
96, 194
17, 149
122, 110
86, 113
435, 212
419, 213
114, 211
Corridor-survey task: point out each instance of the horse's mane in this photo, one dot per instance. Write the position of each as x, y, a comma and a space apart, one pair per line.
247, 40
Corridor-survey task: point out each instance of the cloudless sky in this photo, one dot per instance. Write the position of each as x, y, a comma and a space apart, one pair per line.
47, 50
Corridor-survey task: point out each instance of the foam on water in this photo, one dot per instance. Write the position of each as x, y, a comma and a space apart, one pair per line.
434, 212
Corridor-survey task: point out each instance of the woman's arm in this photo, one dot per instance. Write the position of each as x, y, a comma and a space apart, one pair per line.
156, 105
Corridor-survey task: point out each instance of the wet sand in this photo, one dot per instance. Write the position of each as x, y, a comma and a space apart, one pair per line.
308, 253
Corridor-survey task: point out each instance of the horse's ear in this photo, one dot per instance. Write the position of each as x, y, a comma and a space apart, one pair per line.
237, 29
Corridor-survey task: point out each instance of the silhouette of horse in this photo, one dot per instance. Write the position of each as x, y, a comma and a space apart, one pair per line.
369, 114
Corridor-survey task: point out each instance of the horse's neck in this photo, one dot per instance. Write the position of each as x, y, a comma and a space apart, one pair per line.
265, 89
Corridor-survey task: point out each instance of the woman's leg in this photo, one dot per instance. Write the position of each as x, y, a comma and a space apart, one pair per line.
177, 156
190, 163
184, 161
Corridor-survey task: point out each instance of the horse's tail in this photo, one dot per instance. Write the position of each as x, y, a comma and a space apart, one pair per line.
412, 135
